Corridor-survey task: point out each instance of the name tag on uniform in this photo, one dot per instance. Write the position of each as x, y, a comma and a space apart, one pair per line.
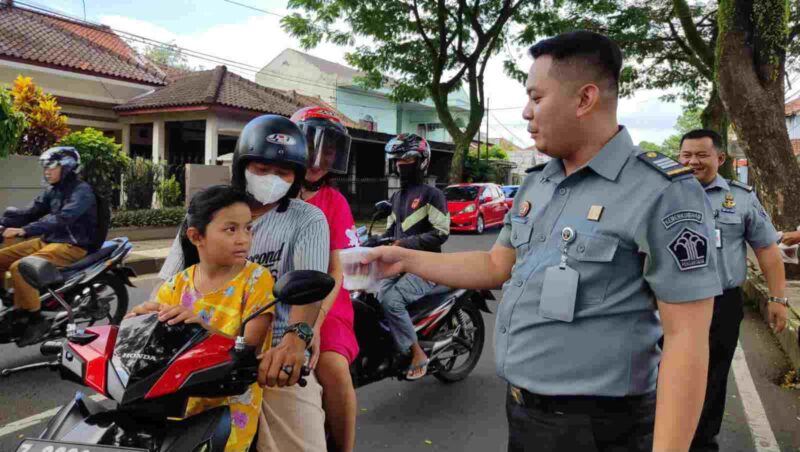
559, 291
718, 234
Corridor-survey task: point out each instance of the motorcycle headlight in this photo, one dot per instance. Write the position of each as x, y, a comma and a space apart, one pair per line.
469, 209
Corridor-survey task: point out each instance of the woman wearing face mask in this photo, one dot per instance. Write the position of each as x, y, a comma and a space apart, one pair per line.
334, 346
288, 234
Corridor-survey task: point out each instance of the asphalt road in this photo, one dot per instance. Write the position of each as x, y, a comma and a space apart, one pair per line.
466, 416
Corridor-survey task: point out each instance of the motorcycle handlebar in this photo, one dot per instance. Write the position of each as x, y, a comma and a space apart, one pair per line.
51, 348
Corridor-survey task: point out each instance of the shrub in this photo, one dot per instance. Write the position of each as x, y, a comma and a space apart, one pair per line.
45, 125
169, 193
12, 125
152, 217
140, 184
102, 160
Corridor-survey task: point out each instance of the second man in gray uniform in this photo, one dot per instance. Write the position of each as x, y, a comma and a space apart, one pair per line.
597, 240
739, 220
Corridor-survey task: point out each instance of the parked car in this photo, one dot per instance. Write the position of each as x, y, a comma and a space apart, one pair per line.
510, 191
475, 207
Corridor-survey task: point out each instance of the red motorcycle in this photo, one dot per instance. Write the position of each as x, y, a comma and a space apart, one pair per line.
148, 370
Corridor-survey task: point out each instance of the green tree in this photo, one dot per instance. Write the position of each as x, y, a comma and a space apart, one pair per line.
430, 47
751, 60
12, 125
102, 160
650, 146
689, 120
168, 55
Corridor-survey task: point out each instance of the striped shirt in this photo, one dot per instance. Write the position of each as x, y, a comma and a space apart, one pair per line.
297, 239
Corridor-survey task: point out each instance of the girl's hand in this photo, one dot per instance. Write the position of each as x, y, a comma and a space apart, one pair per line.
312, 363
173, 315
144, 308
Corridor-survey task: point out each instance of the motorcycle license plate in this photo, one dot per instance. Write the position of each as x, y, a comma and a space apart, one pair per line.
41, 445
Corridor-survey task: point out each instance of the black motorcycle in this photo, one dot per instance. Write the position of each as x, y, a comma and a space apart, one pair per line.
449, 326
93, 290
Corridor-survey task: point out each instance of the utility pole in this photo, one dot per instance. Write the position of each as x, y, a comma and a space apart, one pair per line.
487, 134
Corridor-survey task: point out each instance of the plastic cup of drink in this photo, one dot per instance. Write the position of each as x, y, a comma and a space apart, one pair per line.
357, 276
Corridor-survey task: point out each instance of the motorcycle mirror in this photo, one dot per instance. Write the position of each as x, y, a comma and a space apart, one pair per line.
382, 210
295, 288
44, 276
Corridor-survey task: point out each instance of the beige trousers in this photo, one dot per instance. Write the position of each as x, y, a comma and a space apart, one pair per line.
292, 419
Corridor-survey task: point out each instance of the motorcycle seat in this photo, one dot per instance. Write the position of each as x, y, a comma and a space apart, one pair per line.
91, 259
435, 298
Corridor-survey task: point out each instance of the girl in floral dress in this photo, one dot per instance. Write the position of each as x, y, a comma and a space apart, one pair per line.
220, 292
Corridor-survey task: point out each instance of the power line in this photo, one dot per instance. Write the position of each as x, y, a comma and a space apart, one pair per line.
254, 8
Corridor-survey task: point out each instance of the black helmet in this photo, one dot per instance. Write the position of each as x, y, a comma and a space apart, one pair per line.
409, 146
271, 139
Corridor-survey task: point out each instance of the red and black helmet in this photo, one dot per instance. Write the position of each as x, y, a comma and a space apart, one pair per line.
327, 138
406, 146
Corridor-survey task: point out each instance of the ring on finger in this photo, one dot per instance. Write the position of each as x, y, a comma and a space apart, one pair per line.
288, 369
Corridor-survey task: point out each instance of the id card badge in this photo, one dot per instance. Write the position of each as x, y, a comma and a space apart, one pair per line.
559, 291
718, 235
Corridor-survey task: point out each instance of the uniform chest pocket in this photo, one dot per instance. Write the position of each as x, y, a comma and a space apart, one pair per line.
730, 225
591, 256
521, 230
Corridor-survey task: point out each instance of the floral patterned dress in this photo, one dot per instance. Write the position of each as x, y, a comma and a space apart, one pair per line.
224, 311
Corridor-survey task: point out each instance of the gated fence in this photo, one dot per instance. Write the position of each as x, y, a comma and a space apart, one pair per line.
362, 194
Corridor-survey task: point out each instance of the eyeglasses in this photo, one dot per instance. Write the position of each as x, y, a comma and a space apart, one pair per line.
50, 164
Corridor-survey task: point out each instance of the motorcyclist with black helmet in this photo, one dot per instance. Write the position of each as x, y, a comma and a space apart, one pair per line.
420, 221
59, 226
288, 234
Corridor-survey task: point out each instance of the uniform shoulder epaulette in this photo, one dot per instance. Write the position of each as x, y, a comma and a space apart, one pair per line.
538, 167
665, 166
736, 183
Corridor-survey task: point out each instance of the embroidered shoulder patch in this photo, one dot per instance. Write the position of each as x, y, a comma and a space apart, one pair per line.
681, 216
690, 250
668, 167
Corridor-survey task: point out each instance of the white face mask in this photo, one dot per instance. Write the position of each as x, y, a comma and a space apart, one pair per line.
267, 189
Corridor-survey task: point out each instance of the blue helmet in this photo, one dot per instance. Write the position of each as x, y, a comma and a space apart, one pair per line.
66, 157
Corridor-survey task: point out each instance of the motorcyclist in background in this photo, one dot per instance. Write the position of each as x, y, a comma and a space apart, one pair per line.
64, 218
420, 221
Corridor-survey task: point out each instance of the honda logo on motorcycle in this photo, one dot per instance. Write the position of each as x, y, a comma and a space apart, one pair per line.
141, 356
280, 138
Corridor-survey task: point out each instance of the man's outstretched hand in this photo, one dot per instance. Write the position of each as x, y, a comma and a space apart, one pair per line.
389, 259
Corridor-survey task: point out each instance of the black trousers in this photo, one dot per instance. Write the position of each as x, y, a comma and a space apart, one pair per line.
579, 423
723, 338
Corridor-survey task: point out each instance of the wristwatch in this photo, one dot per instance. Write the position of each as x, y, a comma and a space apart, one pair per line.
303, 331
782, 300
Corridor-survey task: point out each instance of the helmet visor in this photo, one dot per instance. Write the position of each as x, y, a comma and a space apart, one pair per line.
328, 148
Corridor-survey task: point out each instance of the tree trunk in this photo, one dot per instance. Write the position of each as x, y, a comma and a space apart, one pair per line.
715, 118
751, 88
459, 158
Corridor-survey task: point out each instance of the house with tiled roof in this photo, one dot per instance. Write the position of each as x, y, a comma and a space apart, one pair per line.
87, 67
338, 85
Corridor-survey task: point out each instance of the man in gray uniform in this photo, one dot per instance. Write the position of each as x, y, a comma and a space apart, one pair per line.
740, 219
596, 240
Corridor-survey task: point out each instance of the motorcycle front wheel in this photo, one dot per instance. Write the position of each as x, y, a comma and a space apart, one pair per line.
468, 331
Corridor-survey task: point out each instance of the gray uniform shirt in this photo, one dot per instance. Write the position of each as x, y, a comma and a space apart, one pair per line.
297, 239
740, 219
651, 241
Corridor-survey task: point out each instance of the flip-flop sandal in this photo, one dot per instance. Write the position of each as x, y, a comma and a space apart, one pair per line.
423, 365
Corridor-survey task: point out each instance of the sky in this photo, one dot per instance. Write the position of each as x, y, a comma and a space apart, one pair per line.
234, 32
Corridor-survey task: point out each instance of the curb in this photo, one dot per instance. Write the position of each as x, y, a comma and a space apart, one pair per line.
144, 265
755, 291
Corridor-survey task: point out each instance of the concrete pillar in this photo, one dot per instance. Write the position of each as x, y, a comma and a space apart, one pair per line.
212, 139
126, 139
159, 141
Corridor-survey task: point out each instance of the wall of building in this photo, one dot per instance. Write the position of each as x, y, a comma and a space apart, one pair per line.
290, 71
793, 124
356, 104
21, 181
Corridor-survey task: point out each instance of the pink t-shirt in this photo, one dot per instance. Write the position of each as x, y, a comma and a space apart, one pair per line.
343, 235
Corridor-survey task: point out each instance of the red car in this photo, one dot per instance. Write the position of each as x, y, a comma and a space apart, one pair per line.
475, 207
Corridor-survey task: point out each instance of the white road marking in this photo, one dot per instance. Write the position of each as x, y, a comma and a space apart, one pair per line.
30, 421
763, 437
